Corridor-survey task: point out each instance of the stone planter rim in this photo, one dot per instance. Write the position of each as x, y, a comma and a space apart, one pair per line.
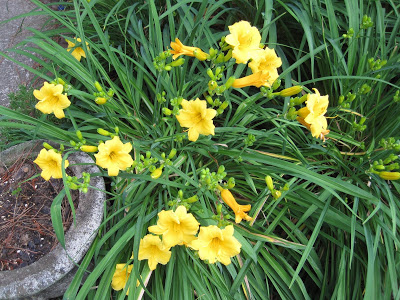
41, 276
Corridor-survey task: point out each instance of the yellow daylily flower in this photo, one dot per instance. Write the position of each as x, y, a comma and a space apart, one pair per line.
216, 244
313, 114
197, 117
245, 39
50, 162
51, 99
239, 210
265, 60
180, 49
176, 228
114, 156
258, 79
152, 248
77, 52
121, 276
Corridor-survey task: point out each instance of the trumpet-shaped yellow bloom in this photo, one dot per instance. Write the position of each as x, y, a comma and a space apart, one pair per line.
176, 228
197, 117
258, 79
313, 114
180, 49
77, 52
51, 99
121, 276
50, 162
114, 156
152, 248
245, 40
216, 244
239, 210
265, 60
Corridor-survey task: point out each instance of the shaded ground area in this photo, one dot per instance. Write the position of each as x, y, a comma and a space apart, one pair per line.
26, 231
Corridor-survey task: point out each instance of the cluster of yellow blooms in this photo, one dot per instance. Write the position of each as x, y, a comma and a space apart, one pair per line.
180, 228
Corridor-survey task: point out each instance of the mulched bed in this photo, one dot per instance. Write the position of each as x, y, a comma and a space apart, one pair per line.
26, 232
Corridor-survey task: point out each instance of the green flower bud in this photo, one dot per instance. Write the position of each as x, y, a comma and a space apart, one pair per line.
103, 132
269, 182
98, 86
172, 154
229, 82
49, 147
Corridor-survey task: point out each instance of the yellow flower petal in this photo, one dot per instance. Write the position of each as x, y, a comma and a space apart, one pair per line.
312, 116
176, 228
215, 244
51, 99
114, 156
152, 249
195, 115
244, 39
50, 162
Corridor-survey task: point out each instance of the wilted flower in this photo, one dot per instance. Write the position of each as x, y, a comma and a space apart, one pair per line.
216, 244
176, 228
114, 156
258, 79
197, 117
313, 114
245, 39
239, 210
51, 99
180, 49
152, 248
77, 52
50, 162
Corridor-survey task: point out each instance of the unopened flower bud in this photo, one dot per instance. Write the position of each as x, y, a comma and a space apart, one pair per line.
200, 55
192, 199
294, 90
229, 82
389, 175
276, 84
47, 146
98, 86
110, 92
172, 153
100, 100
156, 173
177, 63
79, 135
89, 149
103, 132
276, 194
166, 111
269, 182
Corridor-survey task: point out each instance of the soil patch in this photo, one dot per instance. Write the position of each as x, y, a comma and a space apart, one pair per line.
26, 231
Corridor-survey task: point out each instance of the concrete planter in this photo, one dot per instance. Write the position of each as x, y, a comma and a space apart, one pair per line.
50, 276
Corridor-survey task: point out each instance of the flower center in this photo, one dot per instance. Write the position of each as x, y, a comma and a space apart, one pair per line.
112, 155
215, 243
53, 164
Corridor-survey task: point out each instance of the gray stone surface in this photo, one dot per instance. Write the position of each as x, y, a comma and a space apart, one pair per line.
12, 33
